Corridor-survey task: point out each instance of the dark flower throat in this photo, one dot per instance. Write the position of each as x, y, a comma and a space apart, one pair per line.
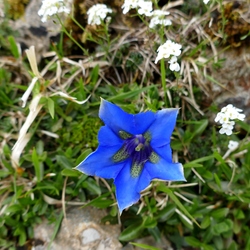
137, 148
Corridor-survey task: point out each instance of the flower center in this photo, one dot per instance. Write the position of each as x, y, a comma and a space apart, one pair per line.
138, 149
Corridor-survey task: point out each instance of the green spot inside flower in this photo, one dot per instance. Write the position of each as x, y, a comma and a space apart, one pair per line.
147, 136
124, 135
120, 155
154, 158
136, 169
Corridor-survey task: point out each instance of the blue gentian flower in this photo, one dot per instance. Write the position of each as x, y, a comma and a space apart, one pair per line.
133, 150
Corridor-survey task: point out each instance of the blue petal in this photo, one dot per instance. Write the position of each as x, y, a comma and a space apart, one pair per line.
163, 126
117, 119
164, 152
142, 121
128, 188
107, 137
165, 170
99, 163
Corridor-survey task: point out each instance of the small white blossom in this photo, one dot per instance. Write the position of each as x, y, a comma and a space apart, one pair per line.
97, 13
130, 4
160, 13
167, 49
233, 145
145, 8
174, 65
226, 118
241, 117
52, 7
226, 131
205, 1
229, 113
229, 125
176, 49
221, 118
159, 19
156, 21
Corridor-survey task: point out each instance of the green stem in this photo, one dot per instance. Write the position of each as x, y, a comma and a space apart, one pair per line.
224, 21
71, 37
77, 23
107, 38
163, 79
163, 69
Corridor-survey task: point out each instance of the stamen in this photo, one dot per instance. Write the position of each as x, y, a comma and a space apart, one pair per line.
138, 149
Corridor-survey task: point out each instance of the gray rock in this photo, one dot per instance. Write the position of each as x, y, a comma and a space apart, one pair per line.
32, 31
234, 76
81, 230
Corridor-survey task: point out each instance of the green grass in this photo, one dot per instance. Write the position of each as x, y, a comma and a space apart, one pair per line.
209, 211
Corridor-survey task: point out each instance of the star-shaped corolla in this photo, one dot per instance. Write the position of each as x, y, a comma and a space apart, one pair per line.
133, 150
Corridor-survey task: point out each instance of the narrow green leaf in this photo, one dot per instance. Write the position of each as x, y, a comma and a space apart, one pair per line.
56, 229
8, 166
244, 125
150, 222
13, 47
166, 213
129, 94
92, 186
210, 78
13, 208
192, 241
187, 223
22, 237
192, 165
95, 74
223, 165
205, 222
220, 213
83, 155
144, 246
51, 107
217, 180
201, 126
4, 98
64, 162
100, 201
196, 49
222, 227
132, 232
202, 159
70, 172
4, 173
37, 166
178, 203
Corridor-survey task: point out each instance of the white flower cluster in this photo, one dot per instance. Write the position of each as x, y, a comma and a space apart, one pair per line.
144, 7
169, 49
226, 118
159, 19
97, 13
52, 7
